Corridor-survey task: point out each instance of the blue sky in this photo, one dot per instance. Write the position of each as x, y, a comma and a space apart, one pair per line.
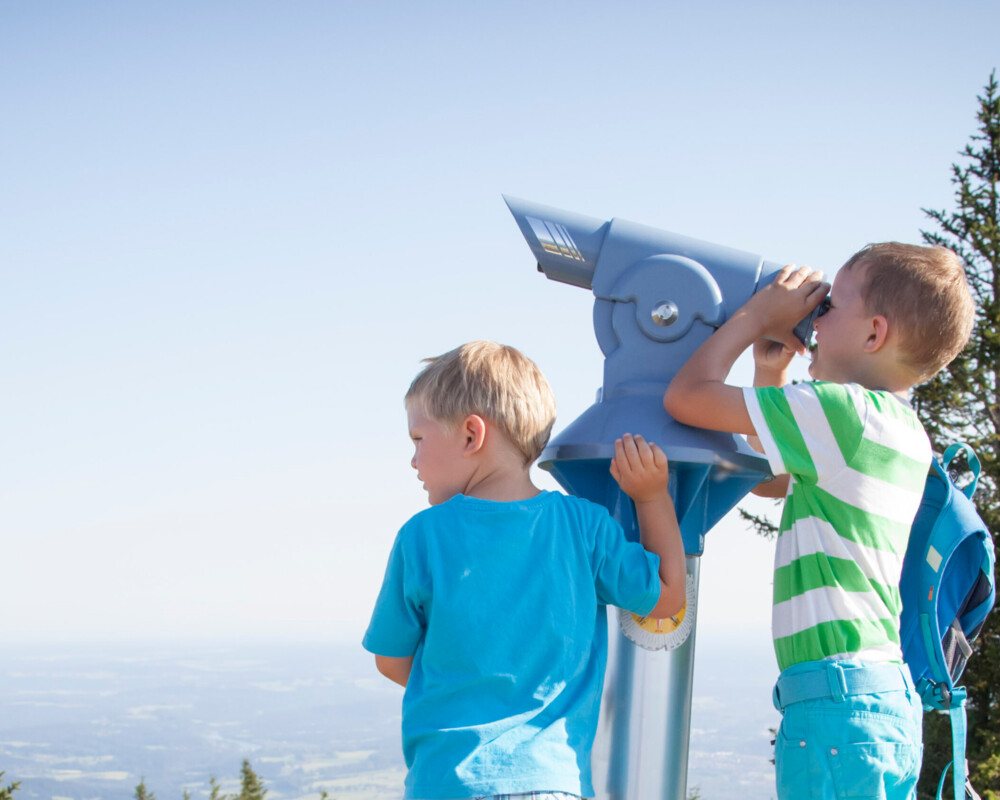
232, 230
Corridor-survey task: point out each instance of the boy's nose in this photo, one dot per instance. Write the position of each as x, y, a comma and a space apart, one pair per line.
413, 461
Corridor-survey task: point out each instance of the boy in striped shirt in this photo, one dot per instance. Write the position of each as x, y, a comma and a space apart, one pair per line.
850, 458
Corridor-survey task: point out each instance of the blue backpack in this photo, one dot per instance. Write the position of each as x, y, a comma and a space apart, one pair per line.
947, 589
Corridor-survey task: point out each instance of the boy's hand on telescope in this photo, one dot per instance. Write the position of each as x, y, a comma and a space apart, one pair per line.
640, 468
781, 304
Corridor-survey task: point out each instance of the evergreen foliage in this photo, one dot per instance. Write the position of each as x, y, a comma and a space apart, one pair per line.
141, 792
7, 792
961, 403
251, 787
760, 523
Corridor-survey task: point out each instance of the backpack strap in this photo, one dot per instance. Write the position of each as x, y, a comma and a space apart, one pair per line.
960, 767
943, 694
970, 458
940, 542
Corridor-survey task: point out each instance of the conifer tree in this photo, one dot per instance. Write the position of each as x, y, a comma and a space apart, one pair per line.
7, 792
961, 404
141, 792
251, 787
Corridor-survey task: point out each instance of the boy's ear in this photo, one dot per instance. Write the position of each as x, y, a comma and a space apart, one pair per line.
878, 334
473, 433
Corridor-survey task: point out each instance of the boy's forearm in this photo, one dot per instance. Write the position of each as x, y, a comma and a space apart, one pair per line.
718, 353
698, 394
765, 376
660, 534
774, 489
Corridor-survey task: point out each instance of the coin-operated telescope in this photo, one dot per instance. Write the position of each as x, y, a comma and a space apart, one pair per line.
658, 296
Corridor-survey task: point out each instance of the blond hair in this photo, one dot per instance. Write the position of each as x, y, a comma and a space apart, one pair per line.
497, 382
923, 293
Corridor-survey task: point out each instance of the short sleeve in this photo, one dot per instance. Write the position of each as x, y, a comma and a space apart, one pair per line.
398, 621
626, 575
807, 430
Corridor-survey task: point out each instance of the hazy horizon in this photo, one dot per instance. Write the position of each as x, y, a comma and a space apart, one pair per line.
91, 722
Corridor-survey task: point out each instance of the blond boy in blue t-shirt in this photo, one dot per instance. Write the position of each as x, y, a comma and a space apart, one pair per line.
851, 459
492, 611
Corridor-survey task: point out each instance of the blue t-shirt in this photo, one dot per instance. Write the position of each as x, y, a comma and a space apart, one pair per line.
502, 606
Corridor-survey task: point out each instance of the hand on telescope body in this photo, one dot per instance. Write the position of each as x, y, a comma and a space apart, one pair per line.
641, 470
780, 305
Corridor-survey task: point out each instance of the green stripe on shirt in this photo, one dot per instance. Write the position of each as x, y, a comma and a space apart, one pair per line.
818, 570
854, 524
833, 638
781, 424
878, 461
842, 417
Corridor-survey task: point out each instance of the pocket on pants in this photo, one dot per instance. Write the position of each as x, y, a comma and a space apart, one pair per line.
794, 775
869, 770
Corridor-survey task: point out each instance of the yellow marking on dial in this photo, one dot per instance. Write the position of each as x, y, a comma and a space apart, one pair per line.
668, 625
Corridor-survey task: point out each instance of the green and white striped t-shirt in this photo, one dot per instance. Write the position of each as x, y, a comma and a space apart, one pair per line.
858, 460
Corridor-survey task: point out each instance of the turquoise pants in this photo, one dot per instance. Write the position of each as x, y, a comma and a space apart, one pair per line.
847, 731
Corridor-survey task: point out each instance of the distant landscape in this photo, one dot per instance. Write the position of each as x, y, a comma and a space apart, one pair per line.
82, 723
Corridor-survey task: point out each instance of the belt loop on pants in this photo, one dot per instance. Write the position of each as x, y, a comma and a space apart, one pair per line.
838, 681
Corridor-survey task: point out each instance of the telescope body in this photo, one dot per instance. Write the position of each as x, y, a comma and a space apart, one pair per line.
657, 297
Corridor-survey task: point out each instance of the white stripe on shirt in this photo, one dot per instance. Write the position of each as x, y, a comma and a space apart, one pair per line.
826, 604
877, 654
813, 535
874, 495
815, 430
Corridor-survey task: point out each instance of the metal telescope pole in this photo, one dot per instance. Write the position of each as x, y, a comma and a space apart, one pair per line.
641, 750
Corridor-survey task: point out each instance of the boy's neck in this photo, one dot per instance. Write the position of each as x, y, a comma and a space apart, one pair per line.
500, 474
883, 372
503, 491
